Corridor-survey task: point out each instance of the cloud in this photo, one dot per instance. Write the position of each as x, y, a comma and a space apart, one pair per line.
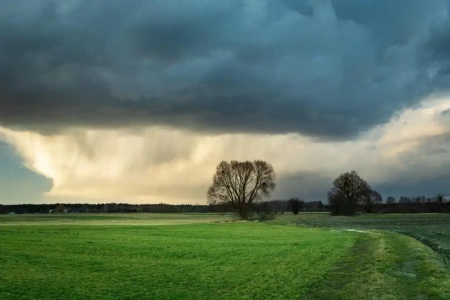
326, 69
175, 166
139, 101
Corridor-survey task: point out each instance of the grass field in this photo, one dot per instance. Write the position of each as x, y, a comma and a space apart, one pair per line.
431, 229
202, 256
113, 219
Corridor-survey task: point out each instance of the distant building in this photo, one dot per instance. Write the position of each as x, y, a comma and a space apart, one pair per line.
51, 211
11, 213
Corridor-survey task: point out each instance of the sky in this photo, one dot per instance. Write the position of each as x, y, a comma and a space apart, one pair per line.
139, 101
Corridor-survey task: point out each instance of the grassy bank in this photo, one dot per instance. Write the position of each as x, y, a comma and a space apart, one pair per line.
431, 229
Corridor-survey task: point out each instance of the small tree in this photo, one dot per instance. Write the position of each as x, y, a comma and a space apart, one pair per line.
296, 205
349, 189
391, 200
440, 199
264, 211
370, 199
59, 208
241, 184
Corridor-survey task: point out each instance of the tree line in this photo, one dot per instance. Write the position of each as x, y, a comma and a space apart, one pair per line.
243, 187
351, 194
275, 206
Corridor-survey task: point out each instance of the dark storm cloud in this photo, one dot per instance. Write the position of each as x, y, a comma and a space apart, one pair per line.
327, 69
308, 185
429, 187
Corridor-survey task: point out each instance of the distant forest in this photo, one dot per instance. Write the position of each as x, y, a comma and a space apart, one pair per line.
276, 206
390, 205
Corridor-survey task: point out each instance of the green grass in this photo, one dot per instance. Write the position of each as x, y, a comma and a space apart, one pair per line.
200, 261
213, 258
384, 265
431, 229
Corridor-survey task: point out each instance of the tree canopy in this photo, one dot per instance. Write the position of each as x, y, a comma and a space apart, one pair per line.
348, 190
240, 184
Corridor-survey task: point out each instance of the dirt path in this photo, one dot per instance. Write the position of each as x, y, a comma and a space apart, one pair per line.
384, 265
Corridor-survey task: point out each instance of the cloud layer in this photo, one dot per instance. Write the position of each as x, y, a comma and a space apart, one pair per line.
327, 69
140, 100
407, 156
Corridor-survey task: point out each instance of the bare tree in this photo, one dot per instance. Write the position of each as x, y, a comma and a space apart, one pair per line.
264, 211
370, 199
440, 199
240, 184
349, 189
296, 205
391, 200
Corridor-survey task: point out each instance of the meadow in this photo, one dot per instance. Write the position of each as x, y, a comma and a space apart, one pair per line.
206, 256
113, 219
431, 229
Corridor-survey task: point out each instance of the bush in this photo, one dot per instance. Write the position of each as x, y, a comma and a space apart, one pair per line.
296, 205
264, 212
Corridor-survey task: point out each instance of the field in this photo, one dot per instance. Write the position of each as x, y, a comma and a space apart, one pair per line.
112, 219
205, 256
431, 229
